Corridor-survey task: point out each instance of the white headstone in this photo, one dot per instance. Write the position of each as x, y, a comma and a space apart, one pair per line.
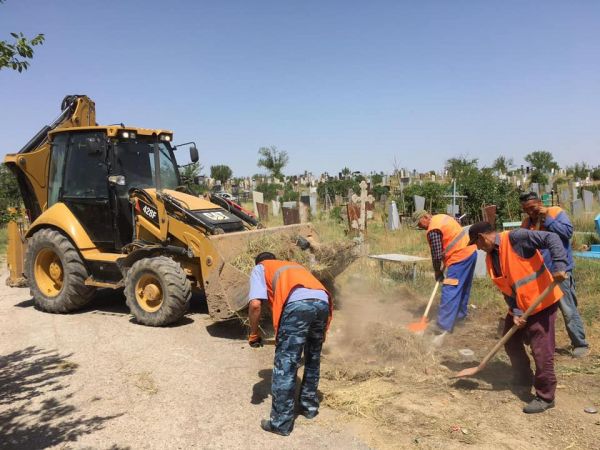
480, 265
275, 205
303, 212
393, 218
419, 202
577, 207
588, 200
290, 204
449, 210
257, 197
535, 188
313, 202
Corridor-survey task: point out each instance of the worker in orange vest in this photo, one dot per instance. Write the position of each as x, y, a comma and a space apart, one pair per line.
516, 267
302, 309
450, 249
554, 219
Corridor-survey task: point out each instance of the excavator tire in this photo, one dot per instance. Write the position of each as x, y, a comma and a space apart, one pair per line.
56, 273
157, 291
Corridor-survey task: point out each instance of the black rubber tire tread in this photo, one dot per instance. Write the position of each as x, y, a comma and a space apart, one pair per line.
176, 288
74, 294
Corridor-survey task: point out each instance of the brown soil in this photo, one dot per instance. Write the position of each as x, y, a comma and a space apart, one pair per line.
398, 388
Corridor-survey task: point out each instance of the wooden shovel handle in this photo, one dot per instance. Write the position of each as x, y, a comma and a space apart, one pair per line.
514, 328
426, 313
429, 303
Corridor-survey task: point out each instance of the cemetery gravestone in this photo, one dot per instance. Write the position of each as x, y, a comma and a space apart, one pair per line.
275, 205
313, 203
419, 202
303, 211
263, 211
393, 217
577, 207
291, 216
588, 200
257, 197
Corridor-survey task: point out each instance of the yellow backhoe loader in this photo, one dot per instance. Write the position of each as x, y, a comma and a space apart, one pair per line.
105, 208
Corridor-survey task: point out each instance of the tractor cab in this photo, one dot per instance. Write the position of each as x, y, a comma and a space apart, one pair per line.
94, 172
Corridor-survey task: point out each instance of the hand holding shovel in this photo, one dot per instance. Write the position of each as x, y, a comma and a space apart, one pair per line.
469, 372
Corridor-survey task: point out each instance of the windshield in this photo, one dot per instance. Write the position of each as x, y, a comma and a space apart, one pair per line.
135, 160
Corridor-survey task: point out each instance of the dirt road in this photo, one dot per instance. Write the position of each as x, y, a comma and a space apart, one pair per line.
96, 380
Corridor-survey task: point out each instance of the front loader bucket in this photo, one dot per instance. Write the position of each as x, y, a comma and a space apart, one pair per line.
226, 286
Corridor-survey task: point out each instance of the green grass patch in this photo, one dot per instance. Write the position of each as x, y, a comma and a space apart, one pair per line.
3, 241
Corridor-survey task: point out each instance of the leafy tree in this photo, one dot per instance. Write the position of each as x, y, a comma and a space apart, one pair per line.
221, 172
188, 174
596, 174
376, 179
579, 171
461, 167
273, 160
346, 171
502, 164
269, 190
433, 193
542, 161
337, 187
378, 191
10, 196
15, 53
482, 188
289, 194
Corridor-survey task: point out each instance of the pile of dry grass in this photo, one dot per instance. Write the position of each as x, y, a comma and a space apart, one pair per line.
325, 261
369, 376
383, 350
282, 248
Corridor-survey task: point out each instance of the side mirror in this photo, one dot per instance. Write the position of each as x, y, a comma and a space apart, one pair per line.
194, 154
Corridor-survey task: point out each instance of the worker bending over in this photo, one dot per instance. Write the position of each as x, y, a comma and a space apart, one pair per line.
450, 249
517, 268
554, 219
302, 310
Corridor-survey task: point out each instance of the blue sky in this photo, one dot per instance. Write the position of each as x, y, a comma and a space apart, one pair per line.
334, 83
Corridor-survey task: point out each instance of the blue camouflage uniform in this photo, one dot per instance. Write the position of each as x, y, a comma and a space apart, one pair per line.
301, 330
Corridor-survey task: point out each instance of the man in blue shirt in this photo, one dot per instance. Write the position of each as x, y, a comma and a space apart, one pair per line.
555, 220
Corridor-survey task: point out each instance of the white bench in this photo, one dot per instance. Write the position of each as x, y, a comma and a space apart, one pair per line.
398, 258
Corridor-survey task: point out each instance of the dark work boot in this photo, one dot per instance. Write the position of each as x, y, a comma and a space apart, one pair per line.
308, 414
538, 405
265, 424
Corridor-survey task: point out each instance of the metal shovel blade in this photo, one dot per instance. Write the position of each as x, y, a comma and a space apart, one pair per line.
417, 327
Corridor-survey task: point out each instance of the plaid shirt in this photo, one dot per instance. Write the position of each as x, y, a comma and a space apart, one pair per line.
435, 243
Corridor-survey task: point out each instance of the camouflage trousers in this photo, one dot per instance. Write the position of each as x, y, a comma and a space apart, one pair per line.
302, 328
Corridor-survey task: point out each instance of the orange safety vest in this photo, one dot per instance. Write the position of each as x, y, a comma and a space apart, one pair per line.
455, 239
522, 278
553, 211
282, 277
